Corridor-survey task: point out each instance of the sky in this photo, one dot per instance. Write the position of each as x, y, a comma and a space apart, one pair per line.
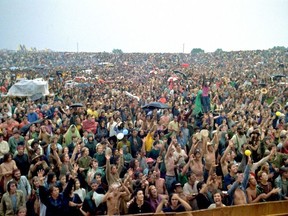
143, 25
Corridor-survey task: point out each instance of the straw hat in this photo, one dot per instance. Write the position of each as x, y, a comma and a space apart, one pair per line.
35, 156
264, 91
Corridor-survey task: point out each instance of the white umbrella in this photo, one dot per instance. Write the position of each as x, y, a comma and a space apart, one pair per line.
172, 78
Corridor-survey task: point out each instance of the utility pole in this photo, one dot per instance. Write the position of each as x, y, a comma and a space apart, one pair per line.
183, 47
77, 47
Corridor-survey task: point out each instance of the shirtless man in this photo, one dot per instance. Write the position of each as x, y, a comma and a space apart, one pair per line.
252, 191
209, 153
117, 191
237, 192
226, 158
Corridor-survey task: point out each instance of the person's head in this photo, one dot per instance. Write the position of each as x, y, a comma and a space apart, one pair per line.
77, 184
139, 195
252, 180
94, 163
85, 151
73, 128
217, 197
16, 133
12, 186
99, 148
175, 118
22, 211
54, 191
153, 192
20, 149
98, 178
191, 178
51, 178
62, 179
16, 174
94, 185
240, 130
173, 200
114, 169
35, 182
7, 157
177, 187
263, 176
232, 168
202, 185
283, 171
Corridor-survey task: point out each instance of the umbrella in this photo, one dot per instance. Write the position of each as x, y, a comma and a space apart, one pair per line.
26, 128
156, 105
179, 72
262, 84
277, 76
77, 105
173, 78
185, 65
36, 96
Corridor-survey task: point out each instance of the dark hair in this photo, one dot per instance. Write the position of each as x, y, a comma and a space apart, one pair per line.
10, 183
15, 170
50, 177
52, 187
6, 156
199, 185
136, 192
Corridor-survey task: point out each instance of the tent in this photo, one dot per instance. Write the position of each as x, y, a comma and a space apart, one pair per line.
27, 88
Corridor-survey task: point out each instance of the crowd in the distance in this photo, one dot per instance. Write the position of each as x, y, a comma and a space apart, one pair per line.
94, 150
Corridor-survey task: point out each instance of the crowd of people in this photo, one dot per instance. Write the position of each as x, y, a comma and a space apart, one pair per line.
216, 136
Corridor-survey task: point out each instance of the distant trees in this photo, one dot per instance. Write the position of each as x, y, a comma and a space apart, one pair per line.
197, 50
280, 48
219, 50
117, 51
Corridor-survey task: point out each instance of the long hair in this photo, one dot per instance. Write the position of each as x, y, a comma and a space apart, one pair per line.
10, 183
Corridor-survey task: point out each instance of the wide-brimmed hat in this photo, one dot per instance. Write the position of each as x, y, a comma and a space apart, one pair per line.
35, 156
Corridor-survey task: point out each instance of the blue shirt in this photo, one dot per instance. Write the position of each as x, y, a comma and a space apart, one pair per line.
32, 117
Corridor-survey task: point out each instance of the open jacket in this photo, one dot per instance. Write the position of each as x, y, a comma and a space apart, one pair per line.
6, 207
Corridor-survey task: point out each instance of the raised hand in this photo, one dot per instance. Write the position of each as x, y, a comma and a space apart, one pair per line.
159, 160
41, 177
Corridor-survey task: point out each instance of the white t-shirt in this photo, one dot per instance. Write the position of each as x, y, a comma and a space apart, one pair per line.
188, 189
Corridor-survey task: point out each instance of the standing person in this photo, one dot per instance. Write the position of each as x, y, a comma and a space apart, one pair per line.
170, 165
56, 203
112, 171
139, 205
253, 192
205, 99
12, 200
7, 168
15, 140
281, 182
237, 192
22, 161
22, 183
239, 139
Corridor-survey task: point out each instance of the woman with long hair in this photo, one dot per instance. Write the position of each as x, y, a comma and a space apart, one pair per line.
7, 168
